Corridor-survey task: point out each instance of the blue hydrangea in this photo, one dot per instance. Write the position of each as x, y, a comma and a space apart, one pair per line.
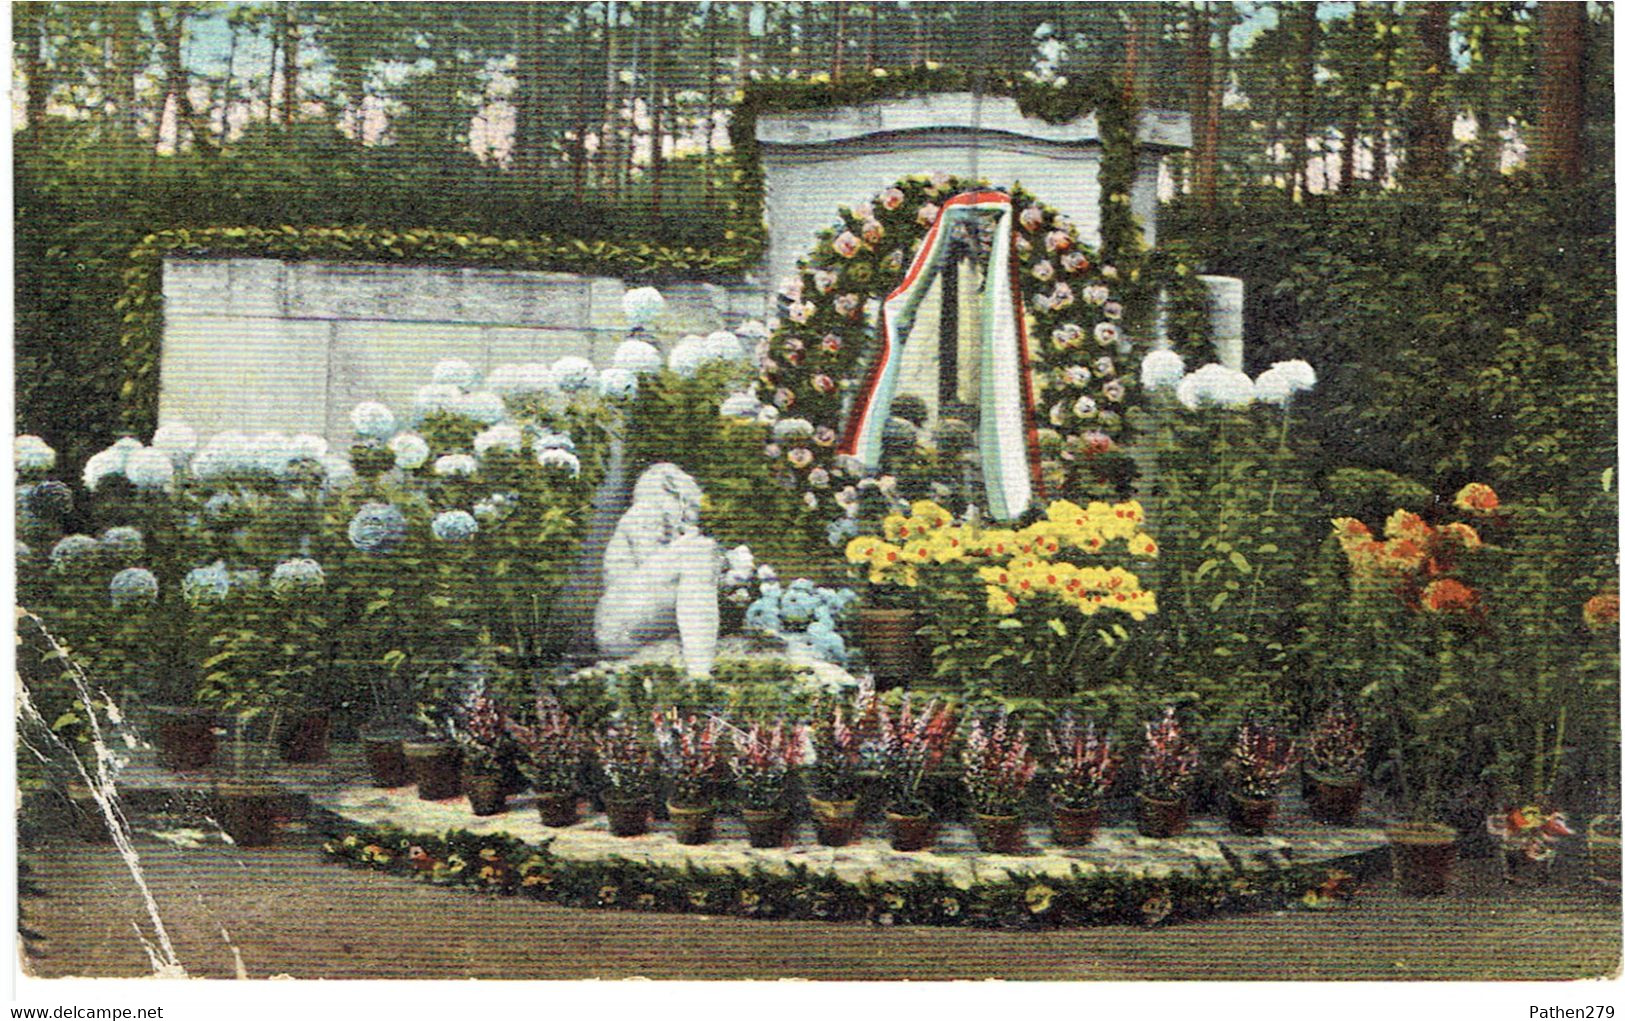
688, 355
454, 526
826, 642
763, 615
204, 585
121, 542
798, 605
24, 554
378, 528
337, 472
411, 451
297, 578
75, 553
49, 499
132, 586
841, 531
432, 398
103, 465
223, 508
618, 383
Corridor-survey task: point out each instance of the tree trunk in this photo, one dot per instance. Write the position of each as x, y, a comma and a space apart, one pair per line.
629, 142
1199, 75
35, 66
710, 106
836, 65
530, 117
1427, 155
177, 84
608, 152
225, 91
1560, 115
1379, 108
1489, 114
290, 62
578, 148
657, 160
1133, 47
124, 33
270, 70
1207, 174
1309, 27
869, 43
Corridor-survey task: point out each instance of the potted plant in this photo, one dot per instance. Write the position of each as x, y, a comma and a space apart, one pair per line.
553, 749
837, 735
1334, 766
999, 764
434, 758
761, 761
629, 771
1260, 759
298, 589
905, 745
888, 617
690, 757
1167, 770
1528, 836
1084, 770
482, 737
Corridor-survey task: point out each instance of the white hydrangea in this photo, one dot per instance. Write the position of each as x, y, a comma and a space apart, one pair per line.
637, 356
786, 430
150, 469
1162, 370
455, 372
642, 305
268, 454
688, 355
506, 438
618, 383
30, 453
177, 439
559, 459
724, 346
1214, 385
743, 404
337, 471
411, 451
1277, 384
102, 465
571, 374
482, 406
308, 445
373, 419
455, 465
434, 397
518, 380
221, 454
547, 439
752, 330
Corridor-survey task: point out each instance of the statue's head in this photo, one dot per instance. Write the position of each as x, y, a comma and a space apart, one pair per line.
666, 485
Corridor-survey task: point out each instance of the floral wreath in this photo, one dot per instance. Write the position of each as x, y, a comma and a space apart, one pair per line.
817, 355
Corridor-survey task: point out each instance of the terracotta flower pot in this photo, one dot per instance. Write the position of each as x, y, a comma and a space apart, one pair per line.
692, 825
248, 810
487, 791
835, 822
765, 826
1160, 817
304, 738
891, 646
557, 809
434, 768
1602, 847
1332, 800
1073, 827
1000, 834
1250, 816
628, 817
386, 761
185, 737
909, 832
1424, 855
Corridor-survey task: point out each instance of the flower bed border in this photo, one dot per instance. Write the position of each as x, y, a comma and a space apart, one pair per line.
500, 864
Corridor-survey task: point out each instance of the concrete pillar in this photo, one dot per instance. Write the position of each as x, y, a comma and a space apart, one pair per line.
1224, 295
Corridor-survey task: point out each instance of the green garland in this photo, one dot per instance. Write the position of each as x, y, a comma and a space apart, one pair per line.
504, 865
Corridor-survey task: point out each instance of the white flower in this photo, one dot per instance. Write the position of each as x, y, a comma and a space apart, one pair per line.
30, 453
637, 356
1161, 370
752, 330
222, 454
177, 439
267, 453
688, 355
767, 414
559, 459
371, 418
150, 469
454, 526
547, 439
1077, 375
482, 406
1083, 407
337, 471
724, 346
518, 380
1277, 384
571, 374
740, 405
506, 438
614, 382
741, 560
297, 578
133, 585
1214, 385
791, 429
455, 372
308, 445
101, 465
455, 465
411, 451
1106, 334
432, 398
642, 305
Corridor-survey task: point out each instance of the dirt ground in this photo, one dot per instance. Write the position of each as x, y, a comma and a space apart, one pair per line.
288, 913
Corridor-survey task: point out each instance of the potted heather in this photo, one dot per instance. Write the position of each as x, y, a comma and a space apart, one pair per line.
1167, 770
481, 735
905, 745
553, 750
1528, 836
1260, 760
761, 762
1334, 766
836, 766
690, 757
629, 771
1085, 769
999, 765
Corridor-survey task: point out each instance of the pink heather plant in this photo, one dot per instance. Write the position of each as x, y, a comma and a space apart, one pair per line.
627, 763
1335, 748
554, 747
480, 729
763, 758
838, 734
999, 764
1085, 766
904, 746
1263, 756
690, 755
1168, 761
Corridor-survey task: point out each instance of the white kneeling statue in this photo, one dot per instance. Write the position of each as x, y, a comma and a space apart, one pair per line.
661, 574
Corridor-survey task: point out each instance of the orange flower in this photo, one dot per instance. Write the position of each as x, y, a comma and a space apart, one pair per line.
1446, 594
1601, 611
1400, 556
1463, 535
1402, 524
1477, 498
1350, 533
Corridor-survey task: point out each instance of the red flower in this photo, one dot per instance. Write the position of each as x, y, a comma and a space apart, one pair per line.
1444, 595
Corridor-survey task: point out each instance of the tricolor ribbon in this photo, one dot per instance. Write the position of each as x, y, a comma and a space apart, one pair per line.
1008, 435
